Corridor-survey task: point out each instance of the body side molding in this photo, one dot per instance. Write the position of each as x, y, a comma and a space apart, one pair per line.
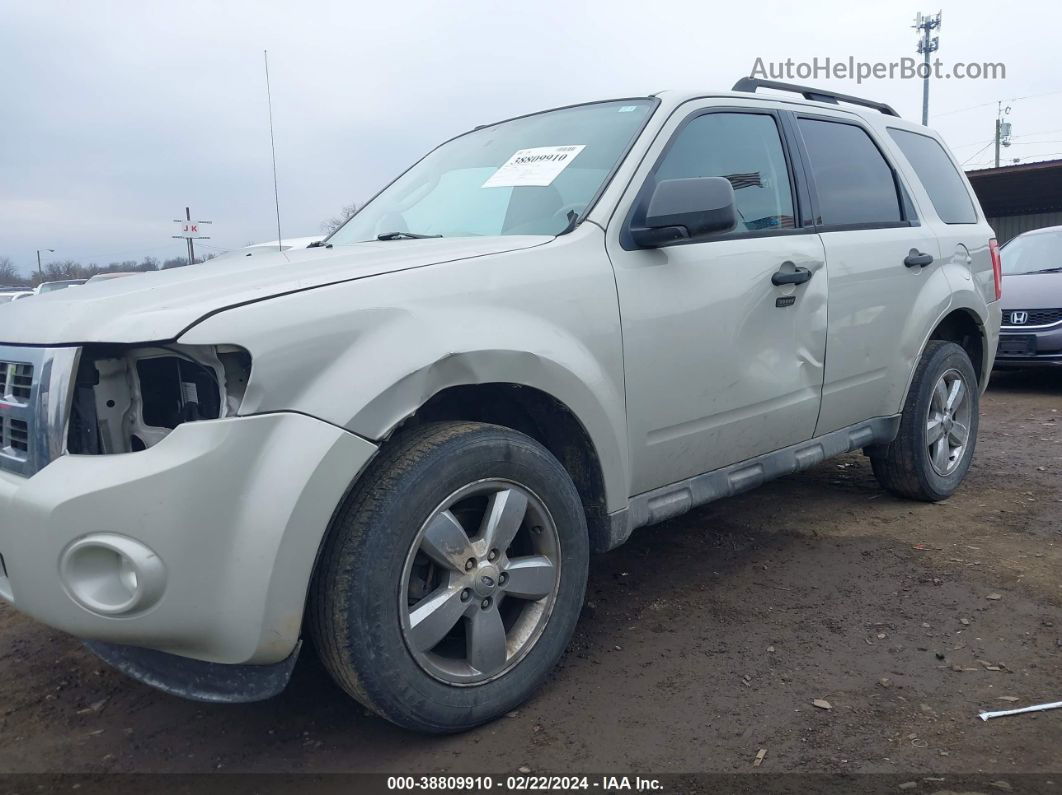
676, 499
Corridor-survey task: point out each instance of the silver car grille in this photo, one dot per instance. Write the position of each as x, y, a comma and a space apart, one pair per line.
34, 406
1031, 317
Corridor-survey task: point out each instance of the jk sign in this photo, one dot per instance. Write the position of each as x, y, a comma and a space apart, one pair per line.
189, 229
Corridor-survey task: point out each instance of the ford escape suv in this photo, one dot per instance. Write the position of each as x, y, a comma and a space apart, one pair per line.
404, 443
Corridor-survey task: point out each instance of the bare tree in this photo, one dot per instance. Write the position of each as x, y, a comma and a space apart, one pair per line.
332, 224
9, 275
71, 269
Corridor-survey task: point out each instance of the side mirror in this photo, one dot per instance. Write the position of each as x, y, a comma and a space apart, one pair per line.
684, 209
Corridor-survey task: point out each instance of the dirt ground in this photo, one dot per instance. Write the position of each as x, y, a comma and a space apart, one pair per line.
703, 641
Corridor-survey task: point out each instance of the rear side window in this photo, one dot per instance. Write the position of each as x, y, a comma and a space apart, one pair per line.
939, 176
855, 184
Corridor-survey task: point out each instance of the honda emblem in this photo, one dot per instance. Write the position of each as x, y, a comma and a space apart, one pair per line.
1019, 318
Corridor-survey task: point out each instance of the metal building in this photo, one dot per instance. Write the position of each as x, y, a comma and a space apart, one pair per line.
1020, 197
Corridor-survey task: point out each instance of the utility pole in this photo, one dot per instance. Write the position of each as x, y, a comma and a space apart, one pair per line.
927, 23
40, 269
189, 231
191, 248
1003, 128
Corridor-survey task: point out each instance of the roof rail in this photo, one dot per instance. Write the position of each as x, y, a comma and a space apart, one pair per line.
750, 84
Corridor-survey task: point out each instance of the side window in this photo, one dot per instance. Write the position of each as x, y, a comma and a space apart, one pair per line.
855, 184
746, 149
939, 176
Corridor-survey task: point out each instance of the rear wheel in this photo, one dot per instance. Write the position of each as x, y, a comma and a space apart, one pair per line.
453, 576
938, 428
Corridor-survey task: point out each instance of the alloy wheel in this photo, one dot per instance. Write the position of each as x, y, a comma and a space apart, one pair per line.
480, 581
948, 422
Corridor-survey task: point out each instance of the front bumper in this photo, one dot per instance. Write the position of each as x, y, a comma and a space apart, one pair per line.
235, 510
1045, 349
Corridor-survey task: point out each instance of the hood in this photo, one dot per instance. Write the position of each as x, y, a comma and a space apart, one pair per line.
1032, 291
160, 305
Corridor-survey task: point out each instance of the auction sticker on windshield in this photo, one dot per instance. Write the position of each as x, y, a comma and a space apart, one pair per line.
538, 166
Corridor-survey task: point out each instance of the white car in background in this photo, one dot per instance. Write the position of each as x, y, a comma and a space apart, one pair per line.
14, 295
105, 277
50, 287
271, 247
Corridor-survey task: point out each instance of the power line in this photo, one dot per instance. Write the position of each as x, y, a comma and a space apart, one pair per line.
987, 104
979, 151
1028, 160
1023, 135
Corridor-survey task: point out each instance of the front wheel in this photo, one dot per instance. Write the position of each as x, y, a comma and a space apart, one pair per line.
453, 577
933, 450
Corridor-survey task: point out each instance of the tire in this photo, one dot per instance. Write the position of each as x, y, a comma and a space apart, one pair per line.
392, 546
907, 466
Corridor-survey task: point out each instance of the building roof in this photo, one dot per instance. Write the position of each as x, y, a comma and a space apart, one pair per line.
1019, 189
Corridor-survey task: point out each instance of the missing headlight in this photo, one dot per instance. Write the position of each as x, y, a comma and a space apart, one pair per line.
129, 399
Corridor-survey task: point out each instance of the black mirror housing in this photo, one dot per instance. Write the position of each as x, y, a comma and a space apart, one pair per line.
685, 209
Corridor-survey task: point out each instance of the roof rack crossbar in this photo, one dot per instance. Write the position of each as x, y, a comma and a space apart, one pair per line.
750, 84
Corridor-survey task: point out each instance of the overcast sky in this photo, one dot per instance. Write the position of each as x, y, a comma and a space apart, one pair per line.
115, 115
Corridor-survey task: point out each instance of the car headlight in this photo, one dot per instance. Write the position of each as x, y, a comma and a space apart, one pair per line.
130, 398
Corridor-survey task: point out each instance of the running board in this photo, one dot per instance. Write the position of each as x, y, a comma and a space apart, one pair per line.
676, 499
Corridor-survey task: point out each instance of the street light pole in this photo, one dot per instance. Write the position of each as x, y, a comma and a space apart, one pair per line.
40, 269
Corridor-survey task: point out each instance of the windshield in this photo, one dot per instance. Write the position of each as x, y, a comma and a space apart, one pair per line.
528, 176
1032, 253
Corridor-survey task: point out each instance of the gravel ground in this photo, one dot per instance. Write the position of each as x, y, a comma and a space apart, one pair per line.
703, 641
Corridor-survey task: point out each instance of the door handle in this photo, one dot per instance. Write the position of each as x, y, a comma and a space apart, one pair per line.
795, 276
916, 259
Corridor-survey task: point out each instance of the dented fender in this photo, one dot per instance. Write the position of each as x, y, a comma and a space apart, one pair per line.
366, 355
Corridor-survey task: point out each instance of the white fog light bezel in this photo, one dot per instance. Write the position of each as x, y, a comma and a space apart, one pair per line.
111, 574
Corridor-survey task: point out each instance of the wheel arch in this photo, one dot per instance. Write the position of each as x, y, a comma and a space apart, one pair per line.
544, 418
966, 329
964, 326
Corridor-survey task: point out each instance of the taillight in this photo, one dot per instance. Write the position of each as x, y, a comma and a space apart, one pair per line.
997, 267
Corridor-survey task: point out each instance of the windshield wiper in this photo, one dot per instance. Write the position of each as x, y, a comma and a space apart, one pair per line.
403, 236
1047, 270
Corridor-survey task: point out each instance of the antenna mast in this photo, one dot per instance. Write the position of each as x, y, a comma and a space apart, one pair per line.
273, 147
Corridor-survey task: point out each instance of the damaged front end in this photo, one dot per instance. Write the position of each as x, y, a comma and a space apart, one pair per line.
129, 398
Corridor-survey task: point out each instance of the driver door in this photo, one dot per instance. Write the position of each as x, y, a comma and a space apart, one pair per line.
720, 364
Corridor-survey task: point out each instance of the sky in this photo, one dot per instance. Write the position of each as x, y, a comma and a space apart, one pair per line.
115, 115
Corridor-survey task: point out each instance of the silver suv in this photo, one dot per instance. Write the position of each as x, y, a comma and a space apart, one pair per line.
404, 443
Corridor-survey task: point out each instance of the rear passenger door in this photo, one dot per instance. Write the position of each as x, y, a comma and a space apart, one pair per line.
873, 240
962, 232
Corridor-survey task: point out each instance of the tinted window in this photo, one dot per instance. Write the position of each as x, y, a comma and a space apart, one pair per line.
939, 176
855, 185
747, 150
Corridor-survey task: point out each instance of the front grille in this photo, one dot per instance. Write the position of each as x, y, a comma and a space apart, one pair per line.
34, 405
1036, 317
18, 436
14, 438
16, 381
